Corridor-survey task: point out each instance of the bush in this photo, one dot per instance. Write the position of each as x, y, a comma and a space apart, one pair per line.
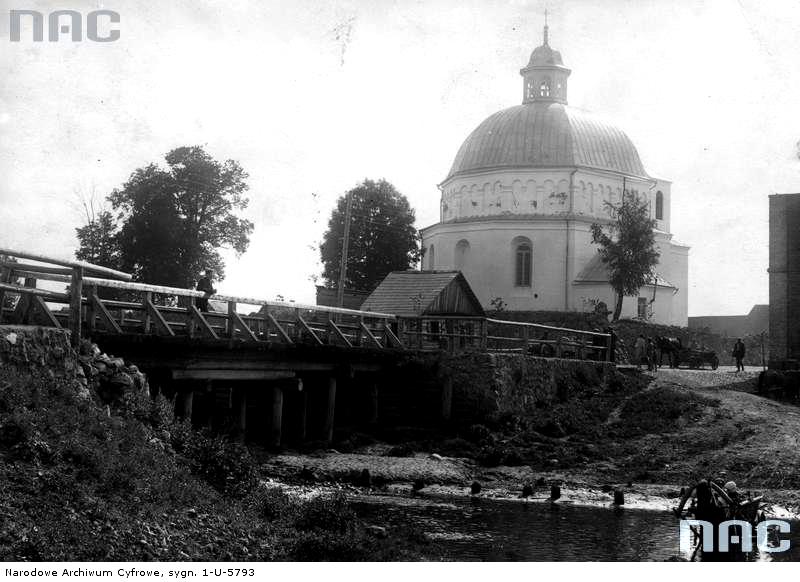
329, 513
225, 465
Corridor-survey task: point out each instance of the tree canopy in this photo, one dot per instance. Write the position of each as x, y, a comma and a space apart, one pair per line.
627, 247
167, 224
382, 236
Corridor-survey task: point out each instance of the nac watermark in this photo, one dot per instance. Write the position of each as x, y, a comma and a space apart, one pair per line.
70, 25
732, 532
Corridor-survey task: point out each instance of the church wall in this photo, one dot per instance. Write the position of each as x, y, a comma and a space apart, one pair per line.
489, 266
484, 250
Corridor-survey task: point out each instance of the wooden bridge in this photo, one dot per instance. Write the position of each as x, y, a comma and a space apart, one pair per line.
246, 339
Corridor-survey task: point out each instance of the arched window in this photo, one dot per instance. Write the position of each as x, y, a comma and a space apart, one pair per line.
462, 254
544, 88
659, 205
523, 262
431, 259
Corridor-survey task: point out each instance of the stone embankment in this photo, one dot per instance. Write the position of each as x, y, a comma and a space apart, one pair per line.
48, 350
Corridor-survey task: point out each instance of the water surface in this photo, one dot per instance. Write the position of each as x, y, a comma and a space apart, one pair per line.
492, 530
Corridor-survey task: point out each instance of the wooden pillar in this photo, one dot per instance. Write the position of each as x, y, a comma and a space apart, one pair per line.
242, 420
211, 401
75, 304
5, 277
303, 412
277, 416
327, 429
373, 403
447, 397
184, 403
147, 322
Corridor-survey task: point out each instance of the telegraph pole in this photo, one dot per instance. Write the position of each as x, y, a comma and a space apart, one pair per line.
345, 243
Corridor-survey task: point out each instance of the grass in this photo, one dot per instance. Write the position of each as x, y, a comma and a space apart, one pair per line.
79, 484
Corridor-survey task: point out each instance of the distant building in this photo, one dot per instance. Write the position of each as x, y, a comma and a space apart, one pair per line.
417, 293
449, 312
352, 299
784, 280
519, 200
734, 326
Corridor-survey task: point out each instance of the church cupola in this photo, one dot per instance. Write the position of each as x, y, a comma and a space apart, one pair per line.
545, 77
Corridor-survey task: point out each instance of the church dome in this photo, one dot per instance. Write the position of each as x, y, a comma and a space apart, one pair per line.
546, 135
544, 56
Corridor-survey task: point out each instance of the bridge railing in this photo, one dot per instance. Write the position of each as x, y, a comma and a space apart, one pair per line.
172, 311
456, 333
98, 299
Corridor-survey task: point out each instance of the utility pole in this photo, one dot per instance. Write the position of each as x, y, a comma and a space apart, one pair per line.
345, 244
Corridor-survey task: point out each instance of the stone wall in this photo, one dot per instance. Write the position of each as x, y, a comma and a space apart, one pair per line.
485, 386
32, 349
46, 350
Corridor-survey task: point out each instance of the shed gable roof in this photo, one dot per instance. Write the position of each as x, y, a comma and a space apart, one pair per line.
412, 293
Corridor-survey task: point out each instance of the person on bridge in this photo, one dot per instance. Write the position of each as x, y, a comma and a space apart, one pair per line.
204, 284
738, 353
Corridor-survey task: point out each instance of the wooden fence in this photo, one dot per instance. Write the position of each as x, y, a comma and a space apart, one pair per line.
98, 299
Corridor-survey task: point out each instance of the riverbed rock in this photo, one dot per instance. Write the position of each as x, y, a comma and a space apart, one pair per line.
377, 531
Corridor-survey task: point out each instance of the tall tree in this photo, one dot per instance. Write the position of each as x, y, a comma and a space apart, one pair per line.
98, 242
169, 223
627, 247
382, 236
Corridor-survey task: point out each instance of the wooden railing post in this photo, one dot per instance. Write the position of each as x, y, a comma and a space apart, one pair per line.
525, 339
5, 277
230, 330
147, 319
484, 333
90, 313
75, 303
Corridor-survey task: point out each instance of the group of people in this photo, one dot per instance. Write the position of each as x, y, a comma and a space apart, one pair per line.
645, 352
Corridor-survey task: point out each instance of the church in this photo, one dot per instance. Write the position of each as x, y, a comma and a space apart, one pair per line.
519, 200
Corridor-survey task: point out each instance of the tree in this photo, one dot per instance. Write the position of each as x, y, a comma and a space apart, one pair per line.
382, 236
98, 242
168, 224
628, 249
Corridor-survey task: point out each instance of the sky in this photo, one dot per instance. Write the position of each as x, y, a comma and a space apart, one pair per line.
311, 97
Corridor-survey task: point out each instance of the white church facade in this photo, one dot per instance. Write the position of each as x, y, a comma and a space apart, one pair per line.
519, 200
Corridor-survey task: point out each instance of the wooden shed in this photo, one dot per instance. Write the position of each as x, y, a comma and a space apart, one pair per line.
436, 309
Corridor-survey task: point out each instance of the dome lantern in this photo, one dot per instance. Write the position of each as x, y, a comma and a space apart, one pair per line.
545, 77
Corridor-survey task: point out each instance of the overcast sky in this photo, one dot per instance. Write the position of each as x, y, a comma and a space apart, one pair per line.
313, 97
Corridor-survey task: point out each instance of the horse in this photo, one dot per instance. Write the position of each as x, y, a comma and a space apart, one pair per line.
670, 346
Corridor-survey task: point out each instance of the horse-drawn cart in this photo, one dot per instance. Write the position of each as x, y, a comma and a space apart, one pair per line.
696, 358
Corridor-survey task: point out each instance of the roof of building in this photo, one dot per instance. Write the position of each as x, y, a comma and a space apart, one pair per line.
544, 55
539, 135
412, 293
596, 271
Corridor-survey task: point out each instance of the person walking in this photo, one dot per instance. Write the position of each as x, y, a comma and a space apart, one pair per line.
652, 363
640, 350
205, 285
738, 354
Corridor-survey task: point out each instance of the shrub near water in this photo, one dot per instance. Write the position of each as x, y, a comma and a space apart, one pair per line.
79, 484
658, 411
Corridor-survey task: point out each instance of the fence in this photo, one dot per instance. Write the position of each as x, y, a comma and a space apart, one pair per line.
98, 299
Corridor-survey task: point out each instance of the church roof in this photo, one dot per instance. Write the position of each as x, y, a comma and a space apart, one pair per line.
546, 135
596, 271
413, 293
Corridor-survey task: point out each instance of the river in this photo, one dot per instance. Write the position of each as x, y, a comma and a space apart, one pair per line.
493, 530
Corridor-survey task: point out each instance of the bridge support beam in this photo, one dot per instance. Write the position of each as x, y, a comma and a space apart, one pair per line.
303, 411
372, 417
327, 428
184, 403
242, 419
277, 416
447, 397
